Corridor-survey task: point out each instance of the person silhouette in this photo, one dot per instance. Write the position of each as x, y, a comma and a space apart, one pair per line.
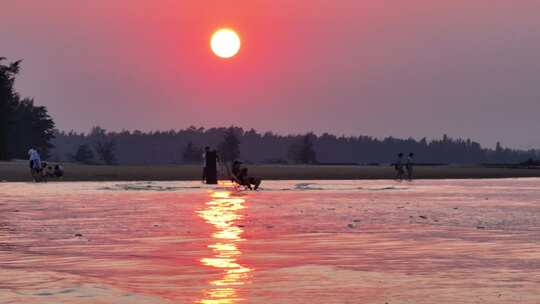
398, 166
34, 160
409, 166
235, 171
247, 181
206, 150
210, 166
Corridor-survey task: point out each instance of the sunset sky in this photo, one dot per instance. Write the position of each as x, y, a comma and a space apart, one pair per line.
468, 68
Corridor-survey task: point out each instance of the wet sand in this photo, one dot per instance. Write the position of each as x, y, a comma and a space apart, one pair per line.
18, 171
446, 241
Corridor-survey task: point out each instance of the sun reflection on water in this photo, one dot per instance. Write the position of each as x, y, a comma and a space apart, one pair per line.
222, 212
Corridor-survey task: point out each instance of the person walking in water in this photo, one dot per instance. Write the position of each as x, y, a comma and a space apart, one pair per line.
398, 166
409, 166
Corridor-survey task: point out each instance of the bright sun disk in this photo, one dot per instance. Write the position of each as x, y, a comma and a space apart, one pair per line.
225, 43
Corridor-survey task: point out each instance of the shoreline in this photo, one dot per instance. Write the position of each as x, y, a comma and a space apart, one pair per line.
17, 171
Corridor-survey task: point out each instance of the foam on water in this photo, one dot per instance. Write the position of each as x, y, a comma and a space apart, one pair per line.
330, 185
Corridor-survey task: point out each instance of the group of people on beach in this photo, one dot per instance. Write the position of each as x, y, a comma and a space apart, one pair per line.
41, 170
238, 174
401, 166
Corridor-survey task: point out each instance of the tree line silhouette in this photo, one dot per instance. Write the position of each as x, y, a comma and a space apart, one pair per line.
186, 145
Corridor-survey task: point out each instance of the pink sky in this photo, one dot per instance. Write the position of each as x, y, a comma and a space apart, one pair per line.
401, 67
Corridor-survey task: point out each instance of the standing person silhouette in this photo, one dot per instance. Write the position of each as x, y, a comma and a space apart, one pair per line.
206, 150
400, 173
409, 166
210, 166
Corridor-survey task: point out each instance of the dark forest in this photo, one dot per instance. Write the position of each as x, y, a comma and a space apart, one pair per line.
184, 146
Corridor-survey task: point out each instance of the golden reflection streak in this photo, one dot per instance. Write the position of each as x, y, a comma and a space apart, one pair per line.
221, 212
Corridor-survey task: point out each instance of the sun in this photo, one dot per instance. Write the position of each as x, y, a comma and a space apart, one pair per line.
225, 43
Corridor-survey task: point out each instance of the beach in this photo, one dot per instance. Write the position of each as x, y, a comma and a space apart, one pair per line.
430, 241
18, 171
269, 152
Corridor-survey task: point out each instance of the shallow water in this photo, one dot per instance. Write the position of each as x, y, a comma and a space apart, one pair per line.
448, 241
